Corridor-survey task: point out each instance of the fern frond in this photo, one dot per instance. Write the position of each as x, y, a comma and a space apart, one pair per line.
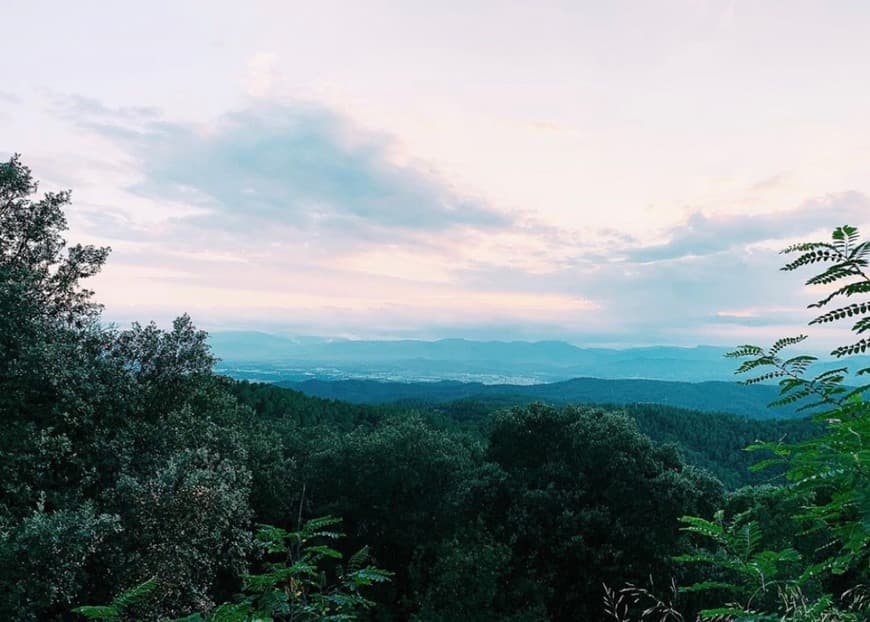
860, 251
785, 342
791, 398
135, 595
103, 612
803, 247
705, 528
749, 537
851, 310
857, 347
858, 391
811, 257
359, 558
745, 350
763, 361
812, 405
367, 576
316, 524
764, 377
845, 234
707, 585
859, 287
798, 365
827, 374
833, 274
324, 551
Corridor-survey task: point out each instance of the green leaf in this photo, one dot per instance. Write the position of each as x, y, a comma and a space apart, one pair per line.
98, 612
135, 595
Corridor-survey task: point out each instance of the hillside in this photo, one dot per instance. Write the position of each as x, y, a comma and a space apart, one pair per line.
747, 401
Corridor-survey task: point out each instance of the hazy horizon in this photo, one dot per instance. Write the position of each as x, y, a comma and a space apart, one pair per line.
616, 173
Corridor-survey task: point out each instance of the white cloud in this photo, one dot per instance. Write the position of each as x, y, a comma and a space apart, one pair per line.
263, 74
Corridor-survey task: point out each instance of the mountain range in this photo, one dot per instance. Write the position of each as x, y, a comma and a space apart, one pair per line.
263, 356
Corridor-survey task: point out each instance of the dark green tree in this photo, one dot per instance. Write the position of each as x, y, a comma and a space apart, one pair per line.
583, 498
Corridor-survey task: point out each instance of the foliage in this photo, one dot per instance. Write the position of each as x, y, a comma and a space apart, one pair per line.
293, 587
35, 263
583, 498
750, 572
53, 551
125, 461
121, 604
826, 475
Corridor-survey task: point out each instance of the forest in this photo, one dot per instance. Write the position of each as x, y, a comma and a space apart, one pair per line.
138, 484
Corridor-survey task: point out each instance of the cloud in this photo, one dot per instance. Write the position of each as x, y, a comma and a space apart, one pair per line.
263, 74
706, 235
297, 166
293, 216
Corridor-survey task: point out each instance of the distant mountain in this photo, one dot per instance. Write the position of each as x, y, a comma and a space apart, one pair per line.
730, 397
263, 356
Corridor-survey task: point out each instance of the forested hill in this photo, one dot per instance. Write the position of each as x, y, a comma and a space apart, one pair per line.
730, 397
136, 484
712, 441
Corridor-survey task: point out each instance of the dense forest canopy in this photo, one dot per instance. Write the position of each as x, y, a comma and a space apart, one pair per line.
132, 475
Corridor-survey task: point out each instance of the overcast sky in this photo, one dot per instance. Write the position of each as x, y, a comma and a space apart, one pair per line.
599, 172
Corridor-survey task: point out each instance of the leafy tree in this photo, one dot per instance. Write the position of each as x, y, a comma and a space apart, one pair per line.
46, 330
36, 266
292, 588
582, 498
121, 455
826, 475
394, 486
46, 559
468, 581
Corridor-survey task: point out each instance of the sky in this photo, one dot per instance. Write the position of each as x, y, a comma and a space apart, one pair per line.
606, 173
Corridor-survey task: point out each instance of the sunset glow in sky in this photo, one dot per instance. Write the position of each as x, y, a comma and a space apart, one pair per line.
599, 172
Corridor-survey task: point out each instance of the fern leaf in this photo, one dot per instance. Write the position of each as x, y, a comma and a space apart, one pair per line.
833, 274
785, 342
708, 585
764, 377
704, 527
763, 361
859, 287
359, 558
745, 350
368, 576
843, 312
857, 347
324, 550
802, 358
107, 613
860, 251
811, 257
806, 247
839, 371
135, 595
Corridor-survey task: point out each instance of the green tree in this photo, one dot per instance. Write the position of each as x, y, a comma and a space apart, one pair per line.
122, 455
583, 498
394, 486
826, 476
